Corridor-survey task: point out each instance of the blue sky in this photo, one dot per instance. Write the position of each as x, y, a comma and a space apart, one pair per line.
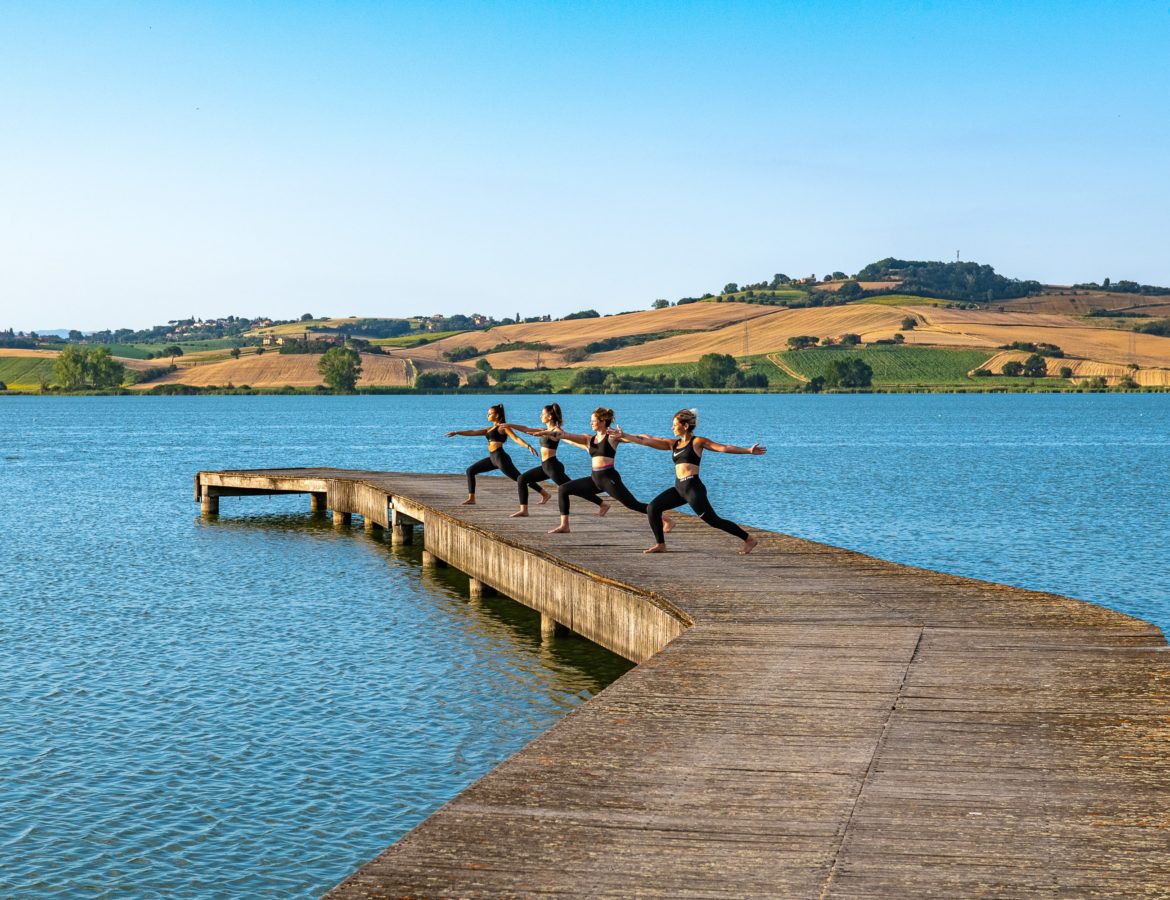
164, 159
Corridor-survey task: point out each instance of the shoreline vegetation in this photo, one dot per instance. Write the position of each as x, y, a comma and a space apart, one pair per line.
896, 326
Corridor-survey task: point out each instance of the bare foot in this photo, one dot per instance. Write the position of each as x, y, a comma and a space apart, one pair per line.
603, 509
748, 546
470, 501
560, 529
666, 524
657, 548
545, 496
519, 514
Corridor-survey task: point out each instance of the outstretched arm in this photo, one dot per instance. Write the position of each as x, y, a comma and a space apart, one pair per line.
508, 426
646, 440
708, 444
507, 429
475, 432
580, 440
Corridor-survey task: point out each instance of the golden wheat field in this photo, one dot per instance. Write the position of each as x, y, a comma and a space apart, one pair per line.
762, 335
280, 370
1085, 368
1078, 303
579, 332
140, 364
1107, 345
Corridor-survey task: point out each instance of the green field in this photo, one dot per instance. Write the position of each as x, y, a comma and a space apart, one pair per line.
893, 365
413, 340
25, 370
906, 300
780, 297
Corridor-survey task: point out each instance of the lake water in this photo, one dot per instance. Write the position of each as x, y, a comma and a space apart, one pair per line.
256, 705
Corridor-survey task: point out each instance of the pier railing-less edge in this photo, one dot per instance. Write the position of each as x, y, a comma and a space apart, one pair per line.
803, 722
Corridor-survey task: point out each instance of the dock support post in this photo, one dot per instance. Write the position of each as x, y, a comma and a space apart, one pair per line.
430, 561
402, 528
317, 502
208, 503
342, 519
477, 590
549, 627
371, 526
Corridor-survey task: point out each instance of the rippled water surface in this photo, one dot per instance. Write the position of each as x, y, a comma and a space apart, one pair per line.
254, 706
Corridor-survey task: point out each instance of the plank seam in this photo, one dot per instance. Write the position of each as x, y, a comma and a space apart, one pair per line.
877, 749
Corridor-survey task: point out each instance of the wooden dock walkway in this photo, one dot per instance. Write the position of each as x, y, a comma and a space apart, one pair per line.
804, 722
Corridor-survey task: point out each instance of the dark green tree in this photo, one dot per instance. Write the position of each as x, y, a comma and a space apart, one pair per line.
661, 303
589, 377
103, 371
1035, 366
850, 290
340, 368
715, 369
69, 369
1012, 368
443, 378
851, 372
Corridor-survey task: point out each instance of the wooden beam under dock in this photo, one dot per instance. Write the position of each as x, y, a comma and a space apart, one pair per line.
804, 722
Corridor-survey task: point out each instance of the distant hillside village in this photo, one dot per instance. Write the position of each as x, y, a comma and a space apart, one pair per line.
959, 282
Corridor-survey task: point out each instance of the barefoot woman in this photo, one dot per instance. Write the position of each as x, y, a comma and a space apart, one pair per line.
687, 450
602, 446
550, 467
497, 457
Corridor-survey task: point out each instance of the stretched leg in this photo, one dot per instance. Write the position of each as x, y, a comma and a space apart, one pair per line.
695, 493
476, 468
611, 481
530, 477
668, 499
555, 470
504, 461
580, 487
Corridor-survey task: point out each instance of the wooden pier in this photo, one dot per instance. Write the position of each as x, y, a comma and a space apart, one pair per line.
803, 722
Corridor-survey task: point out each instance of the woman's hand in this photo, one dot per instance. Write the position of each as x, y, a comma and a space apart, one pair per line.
757, 450
532, 450
452, 434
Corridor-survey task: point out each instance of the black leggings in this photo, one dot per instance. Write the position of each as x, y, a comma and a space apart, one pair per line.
551, 468
497, 459
692, 491
607, 480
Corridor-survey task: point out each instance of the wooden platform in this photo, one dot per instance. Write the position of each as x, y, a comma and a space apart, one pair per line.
804, 722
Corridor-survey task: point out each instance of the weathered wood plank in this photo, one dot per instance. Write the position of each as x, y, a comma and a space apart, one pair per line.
806, 721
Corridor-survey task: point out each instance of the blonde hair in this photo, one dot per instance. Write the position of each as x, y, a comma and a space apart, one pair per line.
688, 417
605, 414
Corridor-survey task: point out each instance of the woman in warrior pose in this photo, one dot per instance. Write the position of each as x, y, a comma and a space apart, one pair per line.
687, 450
550, 466
602, 446
497, 457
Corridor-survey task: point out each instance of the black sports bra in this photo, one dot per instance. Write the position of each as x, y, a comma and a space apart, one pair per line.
605, 448
496, 436
549, 443
686, 454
